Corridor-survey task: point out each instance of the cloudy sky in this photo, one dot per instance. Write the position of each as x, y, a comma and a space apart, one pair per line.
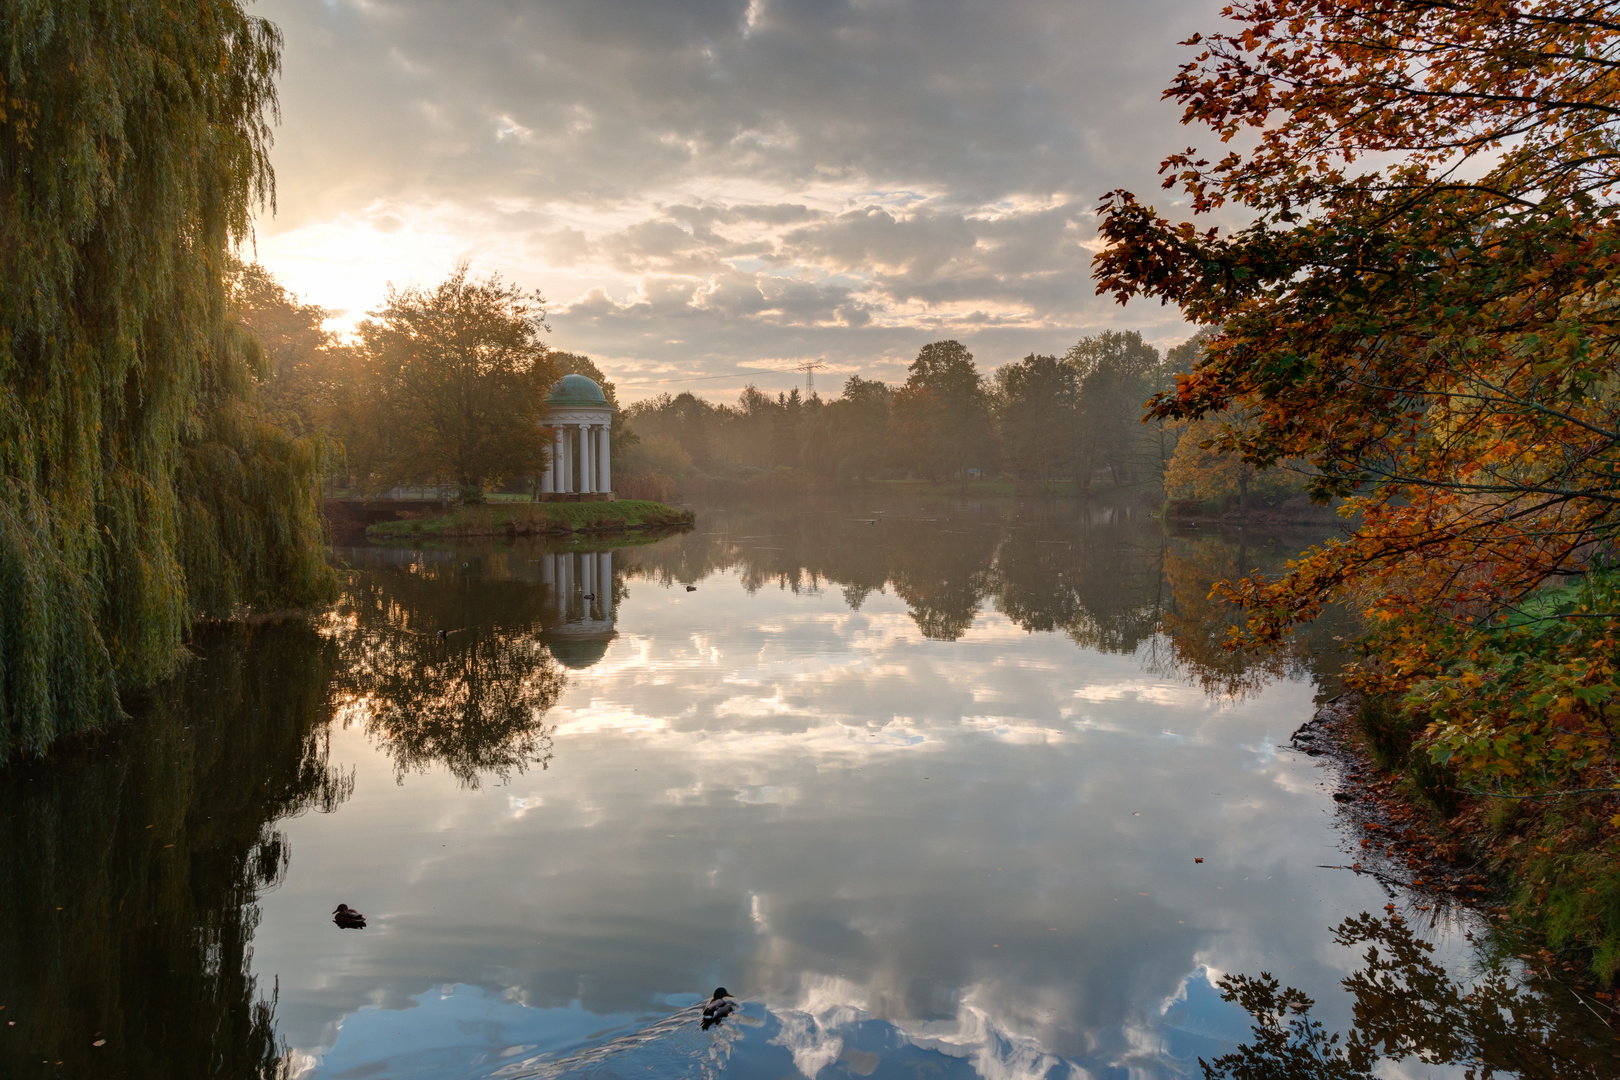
709, 192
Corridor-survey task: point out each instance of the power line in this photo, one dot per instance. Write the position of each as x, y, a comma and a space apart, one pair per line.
704, 378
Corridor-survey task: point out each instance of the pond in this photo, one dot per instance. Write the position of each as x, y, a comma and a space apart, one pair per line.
933, 787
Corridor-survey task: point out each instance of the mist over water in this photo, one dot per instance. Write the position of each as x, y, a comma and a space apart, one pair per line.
923, 783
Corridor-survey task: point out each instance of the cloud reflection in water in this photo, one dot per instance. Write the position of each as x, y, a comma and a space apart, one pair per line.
943, 819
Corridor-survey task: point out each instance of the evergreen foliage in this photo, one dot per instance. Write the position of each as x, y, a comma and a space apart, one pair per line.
137, 486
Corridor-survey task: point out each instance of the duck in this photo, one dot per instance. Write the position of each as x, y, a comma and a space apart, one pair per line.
691, 588
347, 918
441, 635
717, 1008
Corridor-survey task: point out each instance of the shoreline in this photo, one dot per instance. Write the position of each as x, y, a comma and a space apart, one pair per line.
1498, 860
534, 519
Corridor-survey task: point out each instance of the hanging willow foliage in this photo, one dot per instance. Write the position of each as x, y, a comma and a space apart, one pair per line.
137, 488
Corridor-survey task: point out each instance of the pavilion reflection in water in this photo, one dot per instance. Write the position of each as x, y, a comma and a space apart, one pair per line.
581, 585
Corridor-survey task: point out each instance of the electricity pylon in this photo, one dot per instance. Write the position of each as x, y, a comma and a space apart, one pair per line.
809, 369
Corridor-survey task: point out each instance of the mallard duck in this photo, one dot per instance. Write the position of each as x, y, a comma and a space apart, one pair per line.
348, 918
717, 1008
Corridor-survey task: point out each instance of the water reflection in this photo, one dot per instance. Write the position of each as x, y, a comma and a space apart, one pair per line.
582, 585
129, 871
1195, 627
1409, 1008
444, 665
894, 779
1108, 578
927, 793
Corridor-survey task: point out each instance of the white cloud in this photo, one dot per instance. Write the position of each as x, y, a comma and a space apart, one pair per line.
696, 184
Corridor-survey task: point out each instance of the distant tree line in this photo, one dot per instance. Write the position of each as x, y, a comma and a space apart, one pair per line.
1045, 420
446, 386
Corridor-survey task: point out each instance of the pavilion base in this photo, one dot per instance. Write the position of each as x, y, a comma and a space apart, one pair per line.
576, 496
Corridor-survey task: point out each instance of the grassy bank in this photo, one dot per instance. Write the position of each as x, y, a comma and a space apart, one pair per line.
535, 519
1550, 866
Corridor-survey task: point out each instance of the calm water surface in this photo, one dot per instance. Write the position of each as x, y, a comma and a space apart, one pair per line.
924, 784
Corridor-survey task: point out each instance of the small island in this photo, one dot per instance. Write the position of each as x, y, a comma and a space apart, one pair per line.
535, 519
570, 434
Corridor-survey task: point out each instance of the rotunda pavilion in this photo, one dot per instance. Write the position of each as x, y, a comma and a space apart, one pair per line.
581, 453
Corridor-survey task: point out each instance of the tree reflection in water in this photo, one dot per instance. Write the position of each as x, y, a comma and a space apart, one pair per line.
1196, 626
474, 701
1407, 1007
129, 869
1109, 578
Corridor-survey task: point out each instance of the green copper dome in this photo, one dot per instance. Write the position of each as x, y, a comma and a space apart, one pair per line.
576, 390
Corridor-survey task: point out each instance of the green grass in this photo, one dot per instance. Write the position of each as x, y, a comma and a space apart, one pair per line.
536, 519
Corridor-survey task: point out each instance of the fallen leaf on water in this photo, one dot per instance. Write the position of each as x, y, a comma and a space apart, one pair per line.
1141, 894
1198, 860
99, 1042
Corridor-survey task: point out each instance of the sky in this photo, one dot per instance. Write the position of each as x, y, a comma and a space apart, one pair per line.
709, 193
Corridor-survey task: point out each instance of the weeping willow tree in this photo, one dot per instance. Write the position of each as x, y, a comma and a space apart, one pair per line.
139, 489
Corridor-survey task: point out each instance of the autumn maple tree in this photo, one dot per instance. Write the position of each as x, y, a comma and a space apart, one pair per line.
1415, 293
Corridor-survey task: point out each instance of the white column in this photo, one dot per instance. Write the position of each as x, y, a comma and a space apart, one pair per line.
585, 478
567, 460
550, 473
605, 456
604, 583
554, 467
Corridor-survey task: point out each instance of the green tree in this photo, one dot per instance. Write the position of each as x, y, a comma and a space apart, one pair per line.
296, 392
686, 418
1200, 470
857, 425
462, 374
942, 413
751, 427
138, 485
785, 429
1117, 373
1037, 402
